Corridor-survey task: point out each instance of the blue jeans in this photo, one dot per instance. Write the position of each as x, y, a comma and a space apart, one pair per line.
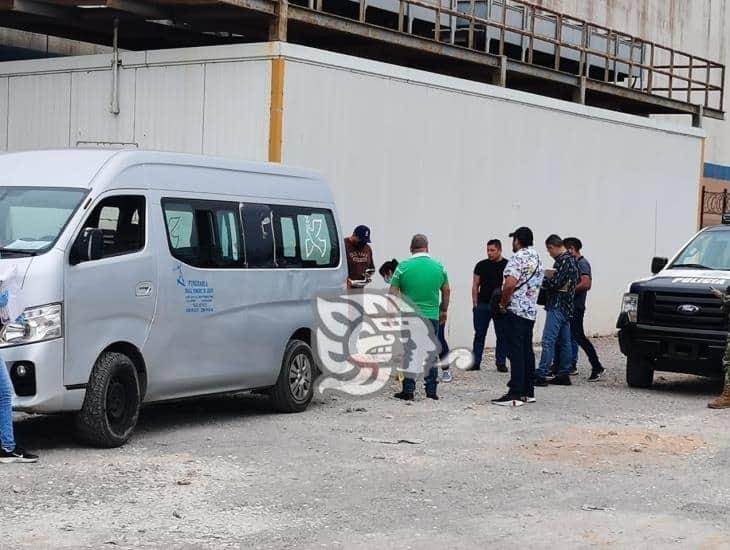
482, 318
521, 355
556, 334
432, 377
441, 335
7, 440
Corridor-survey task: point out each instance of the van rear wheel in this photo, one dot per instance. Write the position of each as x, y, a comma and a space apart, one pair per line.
111, 406
295, 387
639, 372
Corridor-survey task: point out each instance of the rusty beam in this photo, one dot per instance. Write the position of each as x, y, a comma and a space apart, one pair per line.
264, 6
670, 105
388, 36
278, 25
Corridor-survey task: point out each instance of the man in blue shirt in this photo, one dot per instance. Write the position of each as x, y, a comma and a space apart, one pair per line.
574, 246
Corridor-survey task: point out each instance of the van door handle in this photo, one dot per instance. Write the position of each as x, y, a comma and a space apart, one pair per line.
143, 289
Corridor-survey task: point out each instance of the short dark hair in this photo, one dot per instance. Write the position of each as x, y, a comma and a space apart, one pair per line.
495, 242
390, 265
419, 241
523, 235
554, 240
573, 242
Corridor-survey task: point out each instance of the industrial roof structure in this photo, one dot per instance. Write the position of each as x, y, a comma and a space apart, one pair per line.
510, 43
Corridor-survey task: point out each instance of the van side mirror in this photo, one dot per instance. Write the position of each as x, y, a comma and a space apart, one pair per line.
88, 247
657, 264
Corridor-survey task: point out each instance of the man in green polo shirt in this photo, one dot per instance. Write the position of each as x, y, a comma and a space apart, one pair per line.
425, 283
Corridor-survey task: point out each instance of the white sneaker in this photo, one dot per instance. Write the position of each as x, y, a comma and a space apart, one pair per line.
529, 400
508, 401
446, 376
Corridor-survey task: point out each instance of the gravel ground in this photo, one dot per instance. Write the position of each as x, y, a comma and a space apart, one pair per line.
591, 465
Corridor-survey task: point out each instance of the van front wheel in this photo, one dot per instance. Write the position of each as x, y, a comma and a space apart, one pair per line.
295, 387
111, 406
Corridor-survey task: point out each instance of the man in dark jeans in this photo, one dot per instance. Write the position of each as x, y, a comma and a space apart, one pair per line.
488, 277
574, 246
522, 279
425, 283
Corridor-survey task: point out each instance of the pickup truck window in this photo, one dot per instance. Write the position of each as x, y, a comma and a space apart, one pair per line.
708, 250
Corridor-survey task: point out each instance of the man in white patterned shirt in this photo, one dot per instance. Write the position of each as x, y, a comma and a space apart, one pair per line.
522, 280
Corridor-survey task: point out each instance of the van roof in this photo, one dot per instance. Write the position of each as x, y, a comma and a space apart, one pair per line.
78, 167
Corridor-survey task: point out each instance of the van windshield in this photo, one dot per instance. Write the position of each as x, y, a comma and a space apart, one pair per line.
32, 218
708, 250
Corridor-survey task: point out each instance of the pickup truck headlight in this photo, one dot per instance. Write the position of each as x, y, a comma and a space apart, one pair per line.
40, 324
630, 306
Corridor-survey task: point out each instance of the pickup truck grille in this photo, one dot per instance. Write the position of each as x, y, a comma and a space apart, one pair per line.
665, 309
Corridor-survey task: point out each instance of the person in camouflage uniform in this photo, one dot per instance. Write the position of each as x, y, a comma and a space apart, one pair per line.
723, 402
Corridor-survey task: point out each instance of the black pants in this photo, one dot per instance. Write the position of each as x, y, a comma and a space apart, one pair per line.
582, 341
521, 355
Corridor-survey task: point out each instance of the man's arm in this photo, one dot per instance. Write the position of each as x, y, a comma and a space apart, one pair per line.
476, 281
559, 279
584, 285
445, 298
508, 289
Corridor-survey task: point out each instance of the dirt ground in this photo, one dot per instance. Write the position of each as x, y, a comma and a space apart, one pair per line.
592, 465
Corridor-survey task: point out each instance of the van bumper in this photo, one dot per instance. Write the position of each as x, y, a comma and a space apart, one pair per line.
44, 360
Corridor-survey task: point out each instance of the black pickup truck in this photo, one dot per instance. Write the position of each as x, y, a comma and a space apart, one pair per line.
671, 321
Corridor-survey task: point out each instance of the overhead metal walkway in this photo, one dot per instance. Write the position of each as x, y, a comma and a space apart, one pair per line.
505, 42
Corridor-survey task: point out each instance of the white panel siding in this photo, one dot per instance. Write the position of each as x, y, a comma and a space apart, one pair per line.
237, 97
3, 113
39, 111
404, 157
169, 112
91, 120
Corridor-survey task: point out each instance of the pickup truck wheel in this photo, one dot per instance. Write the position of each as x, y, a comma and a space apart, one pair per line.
639, 372
111, 406
295, 387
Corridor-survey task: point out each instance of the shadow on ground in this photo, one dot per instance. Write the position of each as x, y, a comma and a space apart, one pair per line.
44, 432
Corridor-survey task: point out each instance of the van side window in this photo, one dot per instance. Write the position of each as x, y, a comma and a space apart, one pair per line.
122, 220
258, 234
318, 238
305, 237
204, 233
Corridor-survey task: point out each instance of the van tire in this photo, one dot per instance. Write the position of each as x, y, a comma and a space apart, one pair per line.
639, 372
112, 402
295, 387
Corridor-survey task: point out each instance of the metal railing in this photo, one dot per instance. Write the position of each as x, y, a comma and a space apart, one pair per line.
540, 36
714, 203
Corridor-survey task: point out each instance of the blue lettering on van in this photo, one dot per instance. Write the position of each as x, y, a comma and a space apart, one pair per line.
199, 295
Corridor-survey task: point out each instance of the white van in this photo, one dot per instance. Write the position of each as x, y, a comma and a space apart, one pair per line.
152, 276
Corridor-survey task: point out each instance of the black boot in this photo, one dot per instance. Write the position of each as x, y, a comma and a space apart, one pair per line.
562, 380
405, 396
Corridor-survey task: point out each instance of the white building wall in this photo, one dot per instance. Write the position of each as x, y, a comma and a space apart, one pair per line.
39, 108
410, 152
698, 27
208, 100
405, 151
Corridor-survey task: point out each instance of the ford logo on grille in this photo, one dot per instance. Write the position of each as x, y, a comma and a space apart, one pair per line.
688, 309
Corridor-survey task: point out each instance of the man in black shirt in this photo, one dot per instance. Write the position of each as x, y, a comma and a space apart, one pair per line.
488, 277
